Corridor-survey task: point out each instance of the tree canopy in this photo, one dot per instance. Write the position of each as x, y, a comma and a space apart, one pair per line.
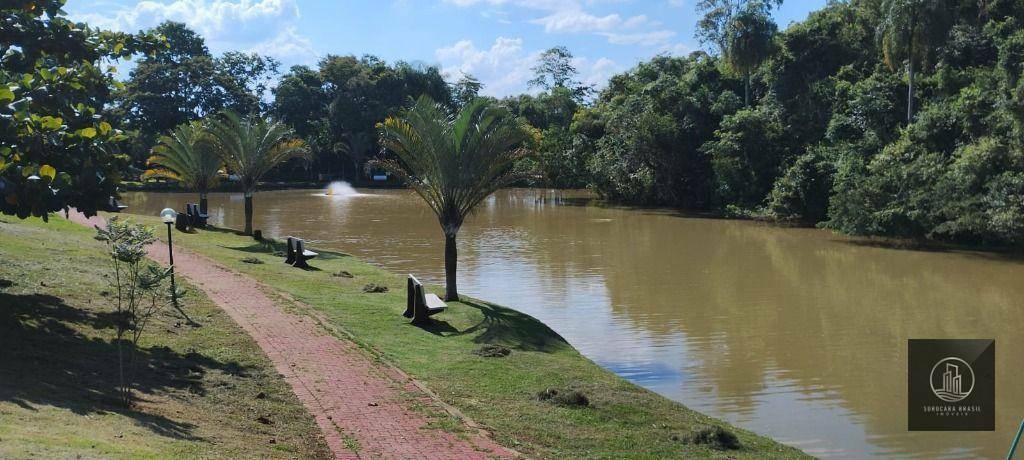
59, 146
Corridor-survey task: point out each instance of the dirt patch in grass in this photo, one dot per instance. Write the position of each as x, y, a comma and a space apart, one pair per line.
492, 351
564, 398
716, 437
374, 288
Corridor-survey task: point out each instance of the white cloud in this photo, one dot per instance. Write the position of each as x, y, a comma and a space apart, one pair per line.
266, 26
570, 21
505, 67
654, 37
570, 17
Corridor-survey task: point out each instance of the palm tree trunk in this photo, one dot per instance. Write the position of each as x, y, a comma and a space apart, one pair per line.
248, 213
910, 90
746, 90
202, 203
451, 261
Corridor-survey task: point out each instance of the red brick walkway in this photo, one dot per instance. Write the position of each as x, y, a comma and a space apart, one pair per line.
356, 401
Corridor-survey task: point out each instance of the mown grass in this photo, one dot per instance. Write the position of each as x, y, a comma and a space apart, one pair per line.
199, 397
622, 421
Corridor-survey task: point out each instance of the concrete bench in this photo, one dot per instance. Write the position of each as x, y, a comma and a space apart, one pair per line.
297, 253
114, 206
419, 305
198, 218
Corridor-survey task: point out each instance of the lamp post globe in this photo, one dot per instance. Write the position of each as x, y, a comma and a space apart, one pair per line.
169, 215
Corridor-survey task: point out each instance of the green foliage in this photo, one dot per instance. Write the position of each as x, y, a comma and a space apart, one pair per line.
744, 155
184, 83
748, 42
252, 146
188, 155
455, 161
335, 107
555, 69
138, 288
650, 124
58, 145
823, 142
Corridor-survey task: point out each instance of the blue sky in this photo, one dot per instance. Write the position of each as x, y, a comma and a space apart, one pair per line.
495, 40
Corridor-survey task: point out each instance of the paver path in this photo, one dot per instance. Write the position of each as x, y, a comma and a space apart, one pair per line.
350, 395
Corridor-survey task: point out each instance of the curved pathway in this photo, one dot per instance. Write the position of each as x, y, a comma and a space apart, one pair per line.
362, 407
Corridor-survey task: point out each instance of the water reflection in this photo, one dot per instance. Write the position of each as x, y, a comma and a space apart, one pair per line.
795, 333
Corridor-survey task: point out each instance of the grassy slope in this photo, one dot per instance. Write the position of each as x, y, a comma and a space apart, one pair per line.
624, 420
58, 367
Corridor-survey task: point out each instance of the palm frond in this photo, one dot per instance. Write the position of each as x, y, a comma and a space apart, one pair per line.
186, 155
454, 161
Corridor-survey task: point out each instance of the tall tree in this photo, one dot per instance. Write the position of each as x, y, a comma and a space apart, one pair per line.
554, 69
336, 106
715, 26
454, 161
909, 32
749, 43
58, 143
251, 147
465, 90
187, 155
184, 82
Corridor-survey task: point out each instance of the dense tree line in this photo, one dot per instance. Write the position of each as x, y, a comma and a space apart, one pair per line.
878, 117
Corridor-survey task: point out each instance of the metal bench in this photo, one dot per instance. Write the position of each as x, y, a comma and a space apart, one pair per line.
419, 305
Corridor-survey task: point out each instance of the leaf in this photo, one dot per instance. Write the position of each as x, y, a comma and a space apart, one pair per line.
87, 133
48, 172
6, 94
51, 123
118, 47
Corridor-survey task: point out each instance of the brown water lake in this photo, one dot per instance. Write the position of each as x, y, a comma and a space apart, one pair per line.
797, 334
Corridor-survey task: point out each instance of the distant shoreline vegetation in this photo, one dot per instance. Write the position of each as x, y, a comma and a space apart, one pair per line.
890, 118
811, 127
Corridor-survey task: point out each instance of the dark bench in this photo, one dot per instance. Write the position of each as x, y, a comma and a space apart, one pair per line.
195, 215
297, 253
419, 305
114, 206
183, 222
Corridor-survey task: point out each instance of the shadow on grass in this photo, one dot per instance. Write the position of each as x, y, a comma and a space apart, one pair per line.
270, 247
46, 361
504, 326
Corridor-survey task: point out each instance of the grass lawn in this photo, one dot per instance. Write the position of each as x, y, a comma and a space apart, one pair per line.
622, 420
201, 396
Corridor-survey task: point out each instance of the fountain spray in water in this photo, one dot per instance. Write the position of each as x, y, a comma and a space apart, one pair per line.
340, 188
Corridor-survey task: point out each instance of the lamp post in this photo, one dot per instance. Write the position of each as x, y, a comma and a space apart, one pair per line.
169, 215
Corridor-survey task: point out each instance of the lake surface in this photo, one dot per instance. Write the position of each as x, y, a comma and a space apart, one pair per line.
797, 334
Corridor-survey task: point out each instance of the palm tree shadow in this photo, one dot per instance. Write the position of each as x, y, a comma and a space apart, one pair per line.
513, 329
47, 361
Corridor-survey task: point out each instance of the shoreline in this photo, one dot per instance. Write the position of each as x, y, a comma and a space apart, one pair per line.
565, 368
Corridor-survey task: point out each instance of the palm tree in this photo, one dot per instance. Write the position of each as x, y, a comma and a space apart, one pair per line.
748, 42
187, 155
251, 147
454, 161
908, 32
